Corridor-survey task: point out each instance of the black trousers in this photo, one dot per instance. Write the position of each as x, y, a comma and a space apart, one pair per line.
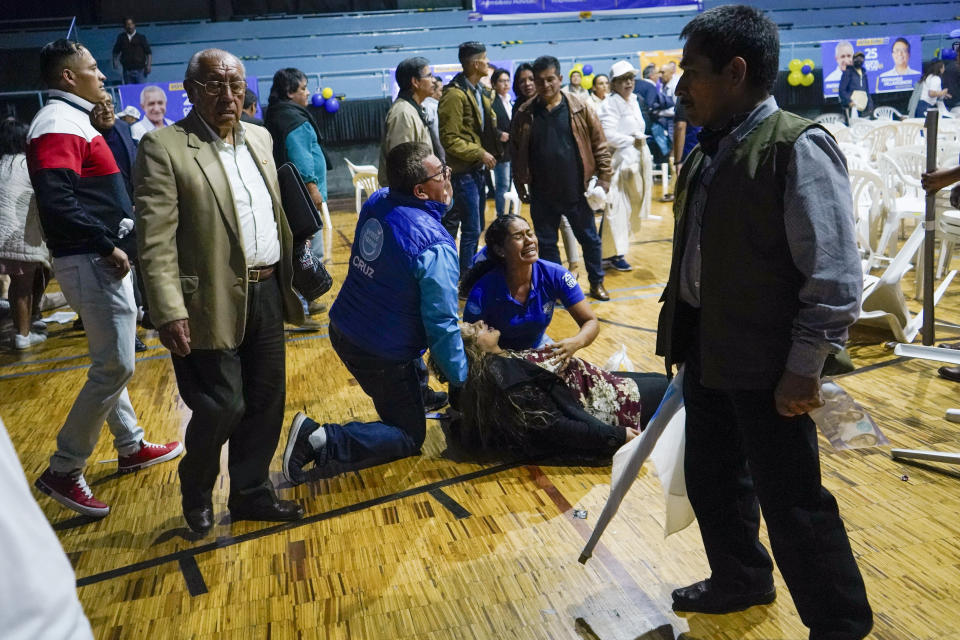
741, 456
237, 396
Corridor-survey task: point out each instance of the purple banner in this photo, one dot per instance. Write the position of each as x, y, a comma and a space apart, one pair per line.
166, 101
892, 64
513, 7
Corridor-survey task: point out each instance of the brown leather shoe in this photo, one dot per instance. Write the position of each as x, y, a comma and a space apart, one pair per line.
950, 373
597, 291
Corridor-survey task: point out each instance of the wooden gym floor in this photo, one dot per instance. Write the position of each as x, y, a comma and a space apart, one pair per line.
432, 548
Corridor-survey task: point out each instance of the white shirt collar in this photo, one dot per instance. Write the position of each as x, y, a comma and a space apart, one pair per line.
72, 97
238, 133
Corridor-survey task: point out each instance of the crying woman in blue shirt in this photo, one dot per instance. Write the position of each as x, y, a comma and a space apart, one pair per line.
514, 291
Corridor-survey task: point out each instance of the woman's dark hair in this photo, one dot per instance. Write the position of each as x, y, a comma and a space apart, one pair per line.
285, 82
495, 235
523, 66
496, 75
597, 77
930, 69
409, 69
492, 420
13, 137
727, 31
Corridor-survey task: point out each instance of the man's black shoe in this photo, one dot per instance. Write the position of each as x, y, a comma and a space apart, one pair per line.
279, 511
950, 373
199, 519
703, 597
433, 400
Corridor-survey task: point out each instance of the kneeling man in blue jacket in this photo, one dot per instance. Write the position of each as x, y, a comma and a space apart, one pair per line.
399, 298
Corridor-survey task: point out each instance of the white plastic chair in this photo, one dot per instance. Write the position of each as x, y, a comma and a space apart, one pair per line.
511, 202
879, 139
886, 113
902, 201
860, 127
364, 179
883, 304
824, 118
948, 227
869, 205
908, 133
857, 156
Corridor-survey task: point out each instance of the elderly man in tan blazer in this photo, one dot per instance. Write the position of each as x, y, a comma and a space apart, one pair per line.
215, 251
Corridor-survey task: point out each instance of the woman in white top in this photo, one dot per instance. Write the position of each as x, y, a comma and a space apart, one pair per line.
22, 250
628, 196
931, 91
599, 91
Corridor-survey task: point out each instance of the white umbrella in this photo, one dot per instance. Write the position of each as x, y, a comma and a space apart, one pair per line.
628, 460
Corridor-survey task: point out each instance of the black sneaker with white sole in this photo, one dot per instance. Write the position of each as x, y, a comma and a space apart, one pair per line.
299, 452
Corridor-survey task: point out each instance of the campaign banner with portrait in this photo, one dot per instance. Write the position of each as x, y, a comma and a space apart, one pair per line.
892, 64
163, 100
494, 9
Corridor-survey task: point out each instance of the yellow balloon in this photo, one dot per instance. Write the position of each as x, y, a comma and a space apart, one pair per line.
795, 65
587, 82
806, 80
327, 93
794, 78
808, 63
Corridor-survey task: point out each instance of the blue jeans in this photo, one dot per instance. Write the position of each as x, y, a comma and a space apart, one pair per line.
469, 199
110, 321
134, 76
546, 223
501, 180
395, 389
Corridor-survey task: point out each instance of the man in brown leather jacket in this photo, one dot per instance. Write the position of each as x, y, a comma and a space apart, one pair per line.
557, 147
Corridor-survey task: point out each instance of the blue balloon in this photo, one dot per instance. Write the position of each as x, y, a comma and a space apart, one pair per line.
806, 69
587, 69
317, 100
332, 105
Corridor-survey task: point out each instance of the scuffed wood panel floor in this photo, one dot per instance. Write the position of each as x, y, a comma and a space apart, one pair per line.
428, 547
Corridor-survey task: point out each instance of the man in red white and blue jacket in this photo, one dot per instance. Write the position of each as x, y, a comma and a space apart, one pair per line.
82, 202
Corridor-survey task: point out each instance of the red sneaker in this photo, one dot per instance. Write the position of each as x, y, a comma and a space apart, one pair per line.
71, 491
149, 454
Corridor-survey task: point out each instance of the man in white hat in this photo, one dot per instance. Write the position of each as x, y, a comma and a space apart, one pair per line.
625, 130
130, 115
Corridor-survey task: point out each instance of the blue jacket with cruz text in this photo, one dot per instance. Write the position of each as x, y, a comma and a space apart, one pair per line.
400, 293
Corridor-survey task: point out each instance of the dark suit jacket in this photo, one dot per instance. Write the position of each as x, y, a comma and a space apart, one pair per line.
851, 81
124, 150
503, 124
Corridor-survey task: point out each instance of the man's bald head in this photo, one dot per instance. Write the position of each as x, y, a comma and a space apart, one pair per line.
208, 59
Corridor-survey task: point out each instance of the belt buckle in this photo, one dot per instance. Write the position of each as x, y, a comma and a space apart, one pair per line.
253, 275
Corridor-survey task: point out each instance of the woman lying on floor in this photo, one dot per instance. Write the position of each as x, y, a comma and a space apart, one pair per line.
529, 403
537, 401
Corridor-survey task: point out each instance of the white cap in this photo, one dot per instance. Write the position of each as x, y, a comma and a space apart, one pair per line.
622, 68
131, 111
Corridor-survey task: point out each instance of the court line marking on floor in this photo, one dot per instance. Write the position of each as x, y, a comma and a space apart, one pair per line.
625, 325
451, 505
192, 575
230, 541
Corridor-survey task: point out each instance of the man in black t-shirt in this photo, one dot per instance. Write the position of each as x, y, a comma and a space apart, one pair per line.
132, 51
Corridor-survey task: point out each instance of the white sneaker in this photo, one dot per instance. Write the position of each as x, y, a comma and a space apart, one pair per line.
25, 342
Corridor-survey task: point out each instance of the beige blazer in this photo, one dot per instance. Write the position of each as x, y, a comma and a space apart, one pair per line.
188, 235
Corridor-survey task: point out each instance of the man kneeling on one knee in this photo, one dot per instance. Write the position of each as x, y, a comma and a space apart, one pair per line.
399, 297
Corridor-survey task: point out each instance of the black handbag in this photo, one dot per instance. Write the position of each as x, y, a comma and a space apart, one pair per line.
302, 214
310, 278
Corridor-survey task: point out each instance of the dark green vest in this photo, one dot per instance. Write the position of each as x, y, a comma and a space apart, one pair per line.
749, 286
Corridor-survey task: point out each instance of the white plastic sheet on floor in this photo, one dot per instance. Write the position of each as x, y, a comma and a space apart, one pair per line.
664, 439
